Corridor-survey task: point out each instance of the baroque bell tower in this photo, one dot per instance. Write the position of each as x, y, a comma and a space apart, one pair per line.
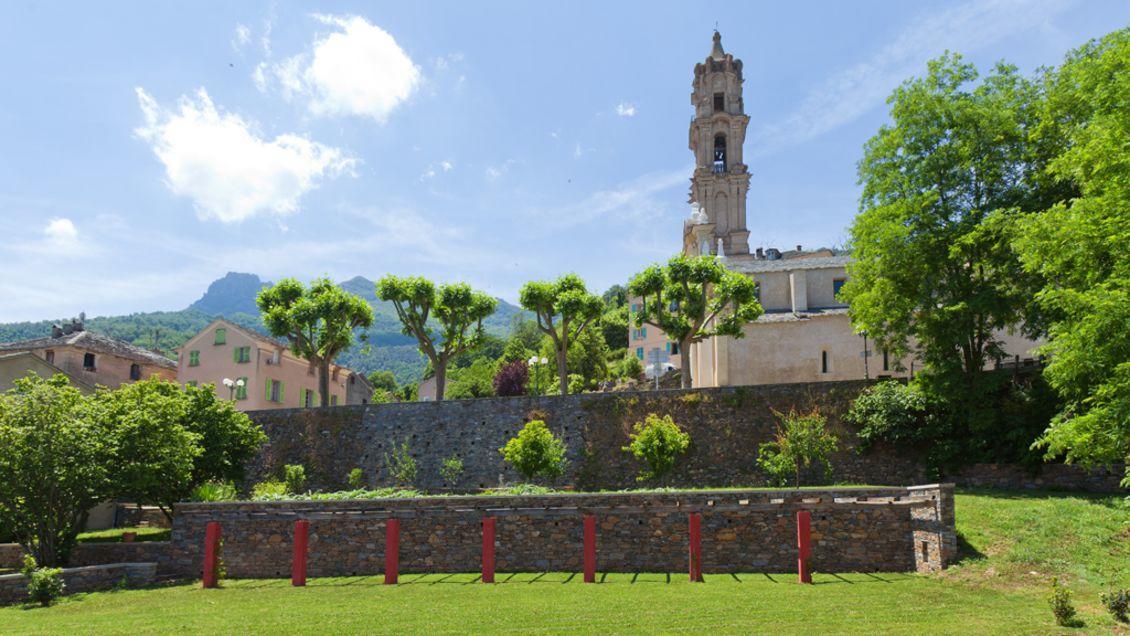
721, 180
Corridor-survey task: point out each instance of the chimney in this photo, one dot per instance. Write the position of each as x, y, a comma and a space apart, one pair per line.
799, 249
56, 331
760, 253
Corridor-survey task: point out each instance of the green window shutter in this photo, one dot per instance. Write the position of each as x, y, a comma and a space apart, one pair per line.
282, 392
268, 390
235, 354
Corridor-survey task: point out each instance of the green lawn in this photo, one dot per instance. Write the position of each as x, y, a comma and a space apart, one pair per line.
114, 535
1006, 538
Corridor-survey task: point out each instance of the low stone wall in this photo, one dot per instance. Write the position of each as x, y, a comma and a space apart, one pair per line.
1048, 477
11, 554
727, 425
93, 578
853, 529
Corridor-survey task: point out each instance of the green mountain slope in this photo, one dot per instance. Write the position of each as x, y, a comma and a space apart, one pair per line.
233, 296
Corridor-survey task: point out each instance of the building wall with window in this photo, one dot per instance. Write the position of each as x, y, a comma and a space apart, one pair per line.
94, 359
641, 340
273, 377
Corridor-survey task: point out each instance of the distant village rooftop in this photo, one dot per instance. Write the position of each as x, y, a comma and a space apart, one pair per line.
74, 334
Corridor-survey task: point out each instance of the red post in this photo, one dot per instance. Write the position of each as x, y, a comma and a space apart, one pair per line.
392, 551
804, 544
301, 542
590, 548
696, 547
488, 549
211, 552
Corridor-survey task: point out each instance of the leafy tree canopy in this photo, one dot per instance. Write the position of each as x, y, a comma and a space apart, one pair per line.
563, 308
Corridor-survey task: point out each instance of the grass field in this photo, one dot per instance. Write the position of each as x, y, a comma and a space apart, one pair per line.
1012, 544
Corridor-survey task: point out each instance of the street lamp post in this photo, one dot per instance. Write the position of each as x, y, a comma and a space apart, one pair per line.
232, 386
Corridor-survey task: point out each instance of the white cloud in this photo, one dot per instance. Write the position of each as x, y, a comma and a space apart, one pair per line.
241, 37
494, 173
358, 69
625, 109
852, 92
636, 201
259, 76
226, 168
61, 233
443, 62
431, 171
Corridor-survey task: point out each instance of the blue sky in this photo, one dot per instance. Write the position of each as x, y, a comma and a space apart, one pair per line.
148, 148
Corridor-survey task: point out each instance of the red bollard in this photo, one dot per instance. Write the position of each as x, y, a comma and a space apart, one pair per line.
696, 547
590, 548
392, 551
301, 542
211, 553
488, 549
804, 544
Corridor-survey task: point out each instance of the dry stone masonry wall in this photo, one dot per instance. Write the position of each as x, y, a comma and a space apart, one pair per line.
853, 529
726, 426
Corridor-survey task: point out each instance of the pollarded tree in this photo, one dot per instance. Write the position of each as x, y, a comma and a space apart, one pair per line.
693, 298
457, 309
55, 463
317, 321
564, 308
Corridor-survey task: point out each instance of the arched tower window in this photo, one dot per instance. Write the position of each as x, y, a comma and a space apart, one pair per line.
719, 153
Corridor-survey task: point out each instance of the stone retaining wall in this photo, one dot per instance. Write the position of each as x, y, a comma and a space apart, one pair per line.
11, 554
726, 425
93, 578
853, 529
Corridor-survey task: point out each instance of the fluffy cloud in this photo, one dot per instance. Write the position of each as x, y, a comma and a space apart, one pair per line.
61, 233
625, 109
228, 170
241, 37
358, 69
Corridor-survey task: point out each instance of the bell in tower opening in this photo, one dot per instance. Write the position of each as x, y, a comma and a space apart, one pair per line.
717, 133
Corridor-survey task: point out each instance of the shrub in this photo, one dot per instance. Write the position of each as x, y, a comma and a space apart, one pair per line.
29, 565
658, 442
1117, 602
294, 476
1062, 608
452, 469
45, 586
890, 412
214, 491
511, 379
535, 452
801, 440
576, 383
401, 465
631, 367
270, 489
356, 479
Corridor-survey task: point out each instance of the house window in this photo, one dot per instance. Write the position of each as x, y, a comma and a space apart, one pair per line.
643, 333
241, 354
668, 347
307, 398
333, 376
221, 336
635, 308
193, 358
50, 355
241, 389
674, 348
135, 372
639, 352
191, 383
88, 361
719, 102
886, 362
275, 391
823, 362
837, 285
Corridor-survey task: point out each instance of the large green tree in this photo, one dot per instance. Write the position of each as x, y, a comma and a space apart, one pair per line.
55, 465
694, 298
455, 308
318, 321
1080, 248
933, 270
563, 308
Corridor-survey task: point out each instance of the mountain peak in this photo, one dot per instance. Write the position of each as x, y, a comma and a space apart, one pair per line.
233, 294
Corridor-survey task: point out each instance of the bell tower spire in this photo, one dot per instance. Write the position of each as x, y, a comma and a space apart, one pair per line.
717, 132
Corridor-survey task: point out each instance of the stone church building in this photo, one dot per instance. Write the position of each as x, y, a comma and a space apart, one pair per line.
805, 334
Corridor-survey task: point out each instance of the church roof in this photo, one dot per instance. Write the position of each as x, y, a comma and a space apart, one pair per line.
794, 316
756, 266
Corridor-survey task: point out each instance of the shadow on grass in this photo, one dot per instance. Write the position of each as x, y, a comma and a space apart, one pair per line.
966, 551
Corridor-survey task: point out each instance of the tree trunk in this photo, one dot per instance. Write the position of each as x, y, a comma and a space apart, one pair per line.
441, 378
685, 363
324, 381
563, 372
